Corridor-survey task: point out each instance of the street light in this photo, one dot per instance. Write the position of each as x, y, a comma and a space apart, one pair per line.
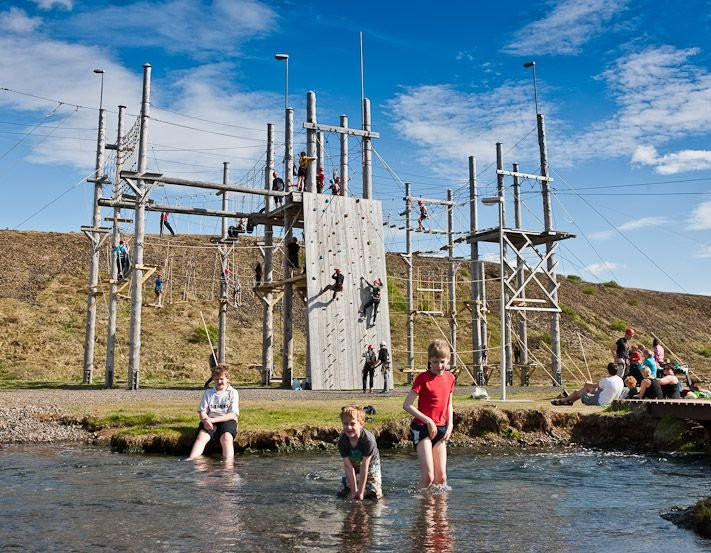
101, 95
498, 200
285, 57
535, 90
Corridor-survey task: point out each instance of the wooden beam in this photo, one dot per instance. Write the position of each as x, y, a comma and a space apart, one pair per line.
341, 130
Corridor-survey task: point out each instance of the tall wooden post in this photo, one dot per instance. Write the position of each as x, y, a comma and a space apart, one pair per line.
410, 295
224, 265
505, 323
548, 225
522, 341
452, 279
344, 156
311, 142
288, 150
367, 152
115, 237
267, 307
90, 331
134, 352
477, 284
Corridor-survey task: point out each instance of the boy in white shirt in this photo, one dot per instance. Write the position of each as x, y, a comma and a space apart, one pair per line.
602, 393
219, 410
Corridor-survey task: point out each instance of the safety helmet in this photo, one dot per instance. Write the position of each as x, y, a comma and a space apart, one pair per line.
274, 174
629, 331
383, 344
370, 346
419, 202
320, 169
338, 270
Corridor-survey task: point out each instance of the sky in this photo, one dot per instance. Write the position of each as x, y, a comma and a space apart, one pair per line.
625, 88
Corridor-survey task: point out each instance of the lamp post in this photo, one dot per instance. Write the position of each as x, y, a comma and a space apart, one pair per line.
535, 89
285, 57
498, 200
101, 94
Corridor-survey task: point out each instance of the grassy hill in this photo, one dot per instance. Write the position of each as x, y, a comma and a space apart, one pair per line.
43, 281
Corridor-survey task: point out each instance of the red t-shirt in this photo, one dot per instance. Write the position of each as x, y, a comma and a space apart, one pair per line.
434, 392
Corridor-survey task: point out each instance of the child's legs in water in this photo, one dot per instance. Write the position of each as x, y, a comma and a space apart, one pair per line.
439, 458
424, 454
227, 441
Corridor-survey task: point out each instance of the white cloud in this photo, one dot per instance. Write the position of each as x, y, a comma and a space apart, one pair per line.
16, 20
642, 222
701, 217
599, 268
661, 96
674, 162
49, 4
704, 252
182, 26
602, 235
565, 29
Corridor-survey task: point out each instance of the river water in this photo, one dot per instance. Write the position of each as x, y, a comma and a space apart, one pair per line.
86, 499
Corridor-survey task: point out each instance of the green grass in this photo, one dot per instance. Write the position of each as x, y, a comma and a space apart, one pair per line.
396, 299
588, 290
617, 408
633, 302
200, 337
617, 325
574, 278
705, 352
611, 284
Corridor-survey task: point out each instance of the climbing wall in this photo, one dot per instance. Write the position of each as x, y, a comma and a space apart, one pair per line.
344, 233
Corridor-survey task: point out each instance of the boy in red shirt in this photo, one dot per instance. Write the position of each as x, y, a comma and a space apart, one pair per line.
432, 426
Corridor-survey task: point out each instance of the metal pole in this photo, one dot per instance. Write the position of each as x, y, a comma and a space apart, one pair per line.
90, 332
344, 156
522, 325
367, 153
451, 279
268, 308
311, 142
410, 298
551, 265
224, 280
502, 268
115, 237
477, 283
286, 85
134, 354
289, 150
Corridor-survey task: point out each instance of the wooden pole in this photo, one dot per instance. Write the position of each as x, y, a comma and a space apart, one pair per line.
367, 153
452, 279
224, 274
410, 295
94, 258
267, 307
115, 237
477, 283
134, 355
344, 156
311, 142
522, 325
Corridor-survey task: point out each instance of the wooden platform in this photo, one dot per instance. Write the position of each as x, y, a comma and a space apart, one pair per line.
697, 409
344, 233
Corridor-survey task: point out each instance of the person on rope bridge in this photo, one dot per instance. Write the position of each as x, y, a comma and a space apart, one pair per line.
335, 186
371, 361
384, 363
337, 285
303, 170
123, 261
374, 300
164, 223
292, 252
320, 179
424, 215
158, 289
258, 273
277, 186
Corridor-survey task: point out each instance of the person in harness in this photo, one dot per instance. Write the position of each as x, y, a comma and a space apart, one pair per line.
123, 262
277, 186
424, 215
374, 300
371, 361
384, 363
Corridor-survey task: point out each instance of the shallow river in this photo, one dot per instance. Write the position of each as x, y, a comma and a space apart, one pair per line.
88, 499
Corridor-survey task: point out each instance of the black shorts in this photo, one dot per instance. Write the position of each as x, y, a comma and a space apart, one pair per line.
418, 432
301, 172
220, 428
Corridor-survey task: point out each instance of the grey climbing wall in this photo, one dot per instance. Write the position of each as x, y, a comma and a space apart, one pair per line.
344, 233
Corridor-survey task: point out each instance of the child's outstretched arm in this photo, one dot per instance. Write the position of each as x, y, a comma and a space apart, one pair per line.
350, 476
363, 477
409, 406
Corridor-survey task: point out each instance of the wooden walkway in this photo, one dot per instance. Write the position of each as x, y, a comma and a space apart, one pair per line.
697, 409
344, 233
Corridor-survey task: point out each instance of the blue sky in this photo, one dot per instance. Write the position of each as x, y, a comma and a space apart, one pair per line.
625, 87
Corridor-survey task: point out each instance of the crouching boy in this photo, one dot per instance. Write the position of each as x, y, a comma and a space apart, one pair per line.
219, 410
361, 459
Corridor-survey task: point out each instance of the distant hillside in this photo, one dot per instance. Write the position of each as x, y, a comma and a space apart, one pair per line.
43, 280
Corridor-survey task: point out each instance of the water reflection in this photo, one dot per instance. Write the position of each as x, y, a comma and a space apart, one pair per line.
432, 531
357, 534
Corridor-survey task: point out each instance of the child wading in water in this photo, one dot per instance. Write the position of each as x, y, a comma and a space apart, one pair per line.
361, 459
432, 426
219, 410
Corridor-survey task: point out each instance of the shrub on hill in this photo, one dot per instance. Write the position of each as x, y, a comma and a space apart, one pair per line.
611, 284
574, 278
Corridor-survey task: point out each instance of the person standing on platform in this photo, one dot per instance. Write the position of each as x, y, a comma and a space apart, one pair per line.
158, 289
258, 274
292, 253
277, 186
424, 215
303, 170
320, 180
